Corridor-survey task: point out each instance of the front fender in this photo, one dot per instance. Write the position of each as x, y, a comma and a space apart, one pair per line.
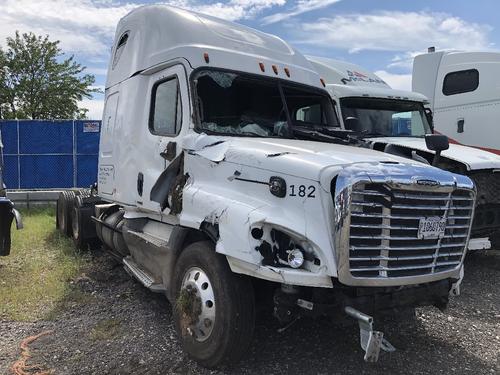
237, 198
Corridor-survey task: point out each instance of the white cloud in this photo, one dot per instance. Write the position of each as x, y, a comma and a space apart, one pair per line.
86, 27
232, 10
96, 71
396, 81
95, 107
396, 31
302, 6
82, 26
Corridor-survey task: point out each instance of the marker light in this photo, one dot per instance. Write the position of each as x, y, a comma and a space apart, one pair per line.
295, 258
277, 186
205, 56
275, 69
287, 72
322, 82
262, 67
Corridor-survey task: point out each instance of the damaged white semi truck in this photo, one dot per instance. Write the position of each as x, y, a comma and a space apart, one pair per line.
212, 190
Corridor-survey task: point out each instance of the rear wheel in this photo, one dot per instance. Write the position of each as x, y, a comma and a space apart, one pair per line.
214, 312
83, 230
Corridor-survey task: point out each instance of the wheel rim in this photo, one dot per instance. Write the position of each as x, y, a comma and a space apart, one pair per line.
199, 321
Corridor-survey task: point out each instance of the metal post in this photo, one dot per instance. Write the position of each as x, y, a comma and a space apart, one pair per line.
18, 158
74, 156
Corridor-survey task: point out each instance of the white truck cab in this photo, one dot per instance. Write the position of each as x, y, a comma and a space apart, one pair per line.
462, 88
213, 189
396, 122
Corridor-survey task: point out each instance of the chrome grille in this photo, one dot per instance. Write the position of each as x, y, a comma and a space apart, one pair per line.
383, 240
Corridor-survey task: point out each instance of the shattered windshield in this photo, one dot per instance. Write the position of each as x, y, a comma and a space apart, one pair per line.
385, 118
241, 104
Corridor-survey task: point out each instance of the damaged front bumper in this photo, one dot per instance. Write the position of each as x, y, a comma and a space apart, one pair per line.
360, 303
7, 214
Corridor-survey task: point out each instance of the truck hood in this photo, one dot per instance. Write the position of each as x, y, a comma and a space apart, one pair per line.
304, 159
471, 157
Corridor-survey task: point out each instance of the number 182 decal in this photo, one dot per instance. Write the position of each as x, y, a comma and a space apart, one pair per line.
302, 191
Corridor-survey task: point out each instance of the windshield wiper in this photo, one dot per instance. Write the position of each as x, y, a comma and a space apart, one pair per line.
365, 134
317, 136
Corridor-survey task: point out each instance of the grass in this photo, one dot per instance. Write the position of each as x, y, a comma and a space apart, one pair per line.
34, 278
106, 329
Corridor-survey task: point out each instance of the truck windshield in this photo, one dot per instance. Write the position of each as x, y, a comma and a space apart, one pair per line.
243, 104
385, 117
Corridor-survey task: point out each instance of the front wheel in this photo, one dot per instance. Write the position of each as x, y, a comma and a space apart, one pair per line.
214, 312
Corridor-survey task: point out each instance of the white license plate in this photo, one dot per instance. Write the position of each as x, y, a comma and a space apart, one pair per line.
431, 227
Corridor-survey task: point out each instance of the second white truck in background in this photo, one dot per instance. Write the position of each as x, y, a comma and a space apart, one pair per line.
462, 88
397, 121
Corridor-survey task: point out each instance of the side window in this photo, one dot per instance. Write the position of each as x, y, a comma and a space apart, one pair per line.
310, 113
119, 48
460, 82
166, 114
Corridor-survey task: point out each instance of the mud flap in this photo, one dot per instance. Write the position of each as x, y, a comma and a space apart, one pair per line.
371, 341
6, 217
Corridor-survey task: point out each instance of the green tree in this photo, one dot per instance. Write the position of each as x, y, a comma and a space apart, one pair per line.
38, 82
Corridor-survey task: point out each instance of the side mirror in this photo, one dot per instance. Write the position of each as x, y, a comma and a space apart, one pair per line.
430, 118
437, 143
352, 123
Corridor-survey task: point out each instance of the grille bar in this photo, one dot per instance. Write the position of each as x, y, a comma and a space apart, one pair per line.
415, 257
417, 267
409, 238
409, 217
405, 248
412, 207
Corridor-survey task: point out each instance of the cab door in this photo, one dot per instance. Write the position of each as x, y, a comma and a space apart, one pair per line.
167, 121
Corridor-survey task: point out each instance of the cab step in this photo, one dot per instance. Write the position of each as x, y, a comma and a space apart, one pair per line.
144, 278
148, 238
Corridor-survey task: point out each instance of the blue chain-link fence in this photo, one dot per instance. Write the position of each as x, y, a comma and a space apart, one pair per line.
50, 154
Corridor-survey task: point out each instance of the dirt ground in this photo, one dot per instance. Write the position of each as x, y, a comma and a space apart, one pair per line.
110, 324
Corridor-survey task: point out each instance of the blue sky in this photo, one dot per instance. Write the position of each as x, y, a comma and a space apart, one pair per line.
381, 35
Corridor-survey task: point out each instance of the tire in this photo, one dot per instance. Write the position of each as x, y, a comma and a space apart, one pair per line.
228, 336
83, 230
64, 212
6, 218
77, 229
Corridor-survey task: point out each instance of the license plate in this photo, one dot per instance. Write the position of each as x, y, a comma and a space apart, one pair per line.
431, 227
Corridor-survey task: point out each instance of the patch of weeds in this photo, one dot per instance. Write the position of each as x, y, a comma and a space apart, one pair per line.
188, 306
106, 329
34, 277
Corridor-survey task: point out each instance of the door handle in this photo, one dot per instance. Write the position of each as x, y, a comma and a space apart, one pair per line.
140, 183
460, 125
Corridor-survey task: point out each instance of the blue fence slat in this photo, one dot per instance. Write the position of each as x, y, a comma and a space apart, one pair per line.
46, 137
10, 171
87, 137
9, 136
87, 170
46, 171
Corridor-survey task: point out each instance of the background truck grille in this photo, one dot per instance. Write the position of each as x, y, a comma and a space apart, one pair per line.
487, 215
384, 228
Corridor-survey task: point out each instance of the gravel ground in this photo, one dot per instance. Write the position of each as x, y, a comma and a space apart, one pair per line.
112, 325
